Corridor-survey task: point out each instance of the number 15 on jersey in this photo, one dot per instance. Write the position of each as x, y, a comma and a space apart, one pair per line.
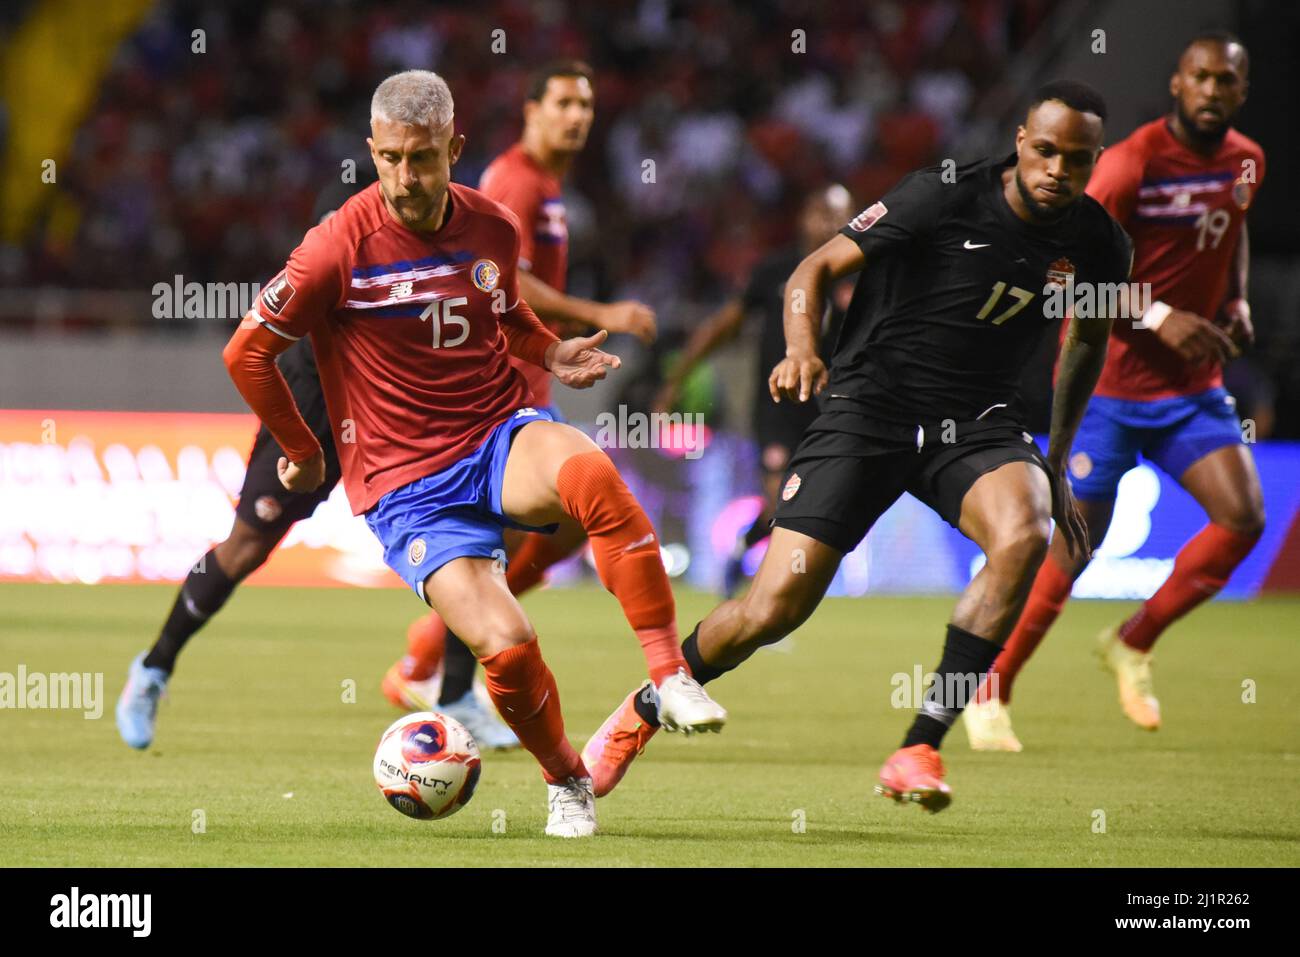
444, 320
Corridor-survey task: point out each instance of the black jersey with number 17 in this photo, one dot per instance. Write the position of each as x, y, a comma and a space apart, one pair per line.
950, 304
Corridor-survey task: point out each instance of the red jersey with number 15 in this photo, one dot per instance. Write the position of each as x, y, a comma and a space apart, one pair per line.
1185, 213
409, 330
517, 181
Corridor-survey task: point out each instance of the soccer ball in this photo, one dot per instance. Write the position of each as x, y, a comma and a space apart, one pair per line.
427, 765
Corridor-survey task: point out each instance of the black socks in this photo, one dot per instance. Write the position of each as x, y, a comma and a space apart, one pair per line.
202, 594
457, 670
966, 657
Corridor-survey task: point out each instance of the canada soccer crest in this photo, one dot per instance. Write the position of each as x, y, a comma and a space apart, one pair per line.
267, 508
791, 487
1060, 273
485, 275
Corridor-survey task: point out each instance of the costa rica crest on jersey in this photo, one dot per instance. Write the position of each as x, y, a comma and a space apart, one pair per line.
485, 275
1060, 273
1241, 194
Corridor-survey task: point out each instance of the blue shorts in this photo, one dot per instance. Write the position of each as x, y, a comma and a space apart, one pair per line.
455, 513
1172, 433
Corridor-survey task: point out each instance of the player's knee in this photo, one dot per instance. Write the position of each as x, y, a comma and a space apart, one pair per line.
1245, 519
496, 633
244, 552
1021, 545
592, 492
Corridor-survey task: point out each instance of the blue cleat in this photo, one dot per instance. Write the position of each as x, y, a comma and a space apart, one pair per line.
137, 708
488, 730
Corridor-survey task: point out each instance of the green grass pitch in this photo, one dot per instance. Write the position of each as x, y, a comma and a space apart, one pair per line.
257, 736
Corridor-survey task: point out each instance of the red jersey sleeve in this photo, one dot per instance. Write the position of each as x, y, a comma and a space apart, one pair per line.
520, 195
1116, 179
290, 306
526, 336
309, 288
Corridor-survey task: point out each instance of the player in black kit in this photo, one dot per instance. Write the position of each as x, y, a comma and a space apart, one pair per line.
777, 427
263, 516
921, 397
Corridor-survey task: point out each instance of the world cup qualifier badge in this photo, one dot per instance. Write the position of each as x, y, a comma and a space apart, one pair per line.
485, 274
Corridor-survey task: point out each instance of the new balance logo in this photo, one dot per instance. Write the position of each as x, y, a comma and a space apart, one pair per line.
400, 290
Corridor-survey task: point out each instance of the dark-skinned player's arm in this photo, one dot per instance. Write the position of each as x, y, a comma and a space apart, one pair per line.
802, 374
1236, 311
1083, 355
1114, 184
718, 329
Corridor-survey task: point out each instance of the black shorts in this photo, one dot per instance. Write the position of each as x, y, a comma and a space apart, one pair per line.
850, 467
778, 430
264, 503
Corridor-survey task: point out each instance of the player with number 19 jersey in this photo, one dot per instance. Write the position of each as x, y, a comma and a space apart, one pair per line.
411, 336
1185, 213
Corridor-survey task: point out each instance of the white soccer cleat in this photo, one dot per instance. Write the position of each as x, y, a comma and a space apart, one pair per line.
684, 705
988, 725
572, 808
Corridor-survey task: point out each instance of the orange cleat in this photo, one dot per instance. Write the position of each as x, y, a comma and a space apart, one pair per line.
616, 744
915, 775
409, 694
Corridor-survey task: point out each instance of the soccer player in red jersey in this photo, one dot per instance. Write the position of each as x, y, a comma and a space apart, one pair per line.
558, 113
410, 294
1180, 186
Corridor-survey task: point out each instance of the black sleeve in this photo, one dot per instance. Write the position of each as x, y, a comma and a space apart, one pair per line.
1123, 254
1116, 262
907, 214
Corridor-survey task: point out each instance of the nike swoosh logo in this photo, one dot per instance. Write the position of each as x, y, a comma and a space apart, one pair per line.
648, 540
546, 697
969, 245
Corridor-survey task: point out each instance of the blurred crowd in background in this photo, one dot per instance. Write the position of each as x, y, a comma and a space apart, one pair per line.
208, 165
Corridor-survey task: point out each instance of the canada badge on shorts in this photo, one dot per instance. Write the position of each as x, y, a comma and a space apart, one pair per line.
267, 508
485, 274
791, 487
